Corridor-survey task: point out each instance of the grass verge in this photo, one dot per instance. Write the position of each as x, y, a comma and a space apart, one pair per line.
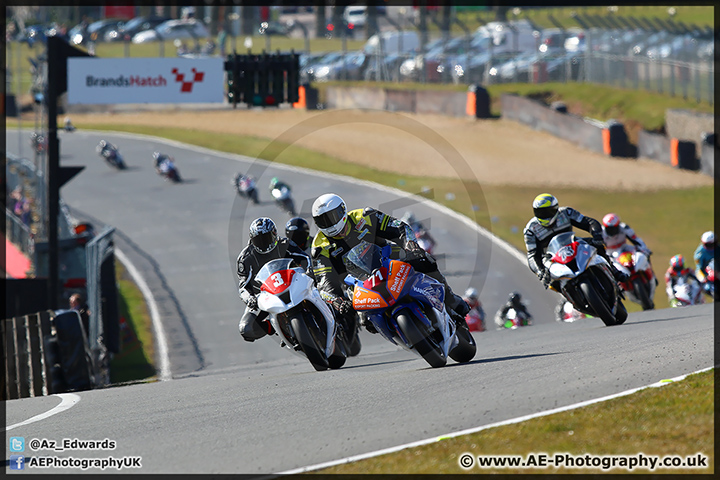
677, 419
134, 362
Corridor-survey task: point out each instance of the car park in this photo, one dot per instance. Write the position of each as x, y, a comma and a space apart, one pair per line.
173, 29
95, 32
126, 31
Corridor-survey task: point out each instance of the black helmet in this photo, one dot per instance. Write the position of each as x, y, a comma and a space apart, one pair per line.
263, 234
515, 298
298, 230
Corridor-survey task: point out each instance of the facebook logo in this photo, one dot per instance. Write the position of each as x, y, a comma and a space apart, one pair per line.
17, 462
17, 444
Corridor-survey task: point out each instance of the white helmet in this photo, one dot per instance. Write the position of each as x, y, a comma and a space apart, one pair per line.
708, 238
471, 293
329, 214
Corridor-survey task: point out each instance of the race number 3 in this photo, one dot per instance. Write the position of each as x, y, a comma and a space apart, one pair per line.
277, 279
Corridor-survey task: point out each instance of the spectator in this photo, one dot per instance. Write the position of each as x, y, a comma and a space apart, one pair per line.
78, 304
222, 40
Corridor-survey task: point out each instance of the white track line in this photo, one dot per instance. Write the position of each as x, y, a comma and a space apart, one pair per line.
377, 453
160, 338
67, 400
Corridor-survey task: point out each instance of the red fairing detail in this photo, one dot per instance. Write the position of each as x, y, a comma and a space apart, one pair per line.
380, 276
278, 282
566, 254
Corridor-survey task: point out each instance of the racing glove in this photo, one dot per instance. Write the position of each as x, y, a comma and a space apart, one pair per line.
545, 278
252, 303
413, 247
341, 305
598, 239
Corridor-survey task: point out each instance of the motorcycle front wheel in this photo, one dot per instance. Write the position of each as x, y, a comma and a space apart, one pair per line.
419, 340
466, 347
597, 304
308, 342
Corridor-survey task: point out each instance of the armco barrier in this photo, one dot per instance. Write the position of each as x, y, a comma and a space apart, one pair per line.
400, 100
654, 146
395, 100
707, 159
451, 104
540, 117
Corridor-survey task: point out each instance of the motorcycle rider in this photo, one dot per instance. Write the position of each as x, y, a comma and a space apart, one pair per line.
263, 246
419, 229
162, 162
276, 183
476, 316
514, 301
616, 232
702, 256
676, 273
340, 231
298, 230
551, 220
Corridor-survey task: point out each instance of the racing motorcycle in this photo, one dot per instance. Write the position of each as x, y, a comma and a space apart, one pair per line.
303, 322
111, 154
406, 307
640, 286
475, 320
38, 142
512, 319
168, 170
709, 285
565, 312
687, 292
245, 186
584, 278
284, 199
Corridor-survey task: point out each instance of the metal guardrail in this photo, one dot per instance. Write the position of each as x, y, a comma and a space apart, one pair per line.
28, 368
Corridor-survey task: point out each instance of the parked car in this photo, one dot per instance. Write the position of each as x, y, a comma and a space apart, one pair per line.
95, 32
337, 31
355, 15
171, 30
136, 25
347, 67
274, 29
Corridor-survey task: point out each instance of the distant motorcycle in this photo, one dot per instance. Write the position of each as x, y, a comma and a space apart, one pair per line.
303, 322
475, 320
284, 199
686, 293
709, 285
584, 278
165, 167
246, 187
565, 312
512, 319
111, 154
640, 286
38, 142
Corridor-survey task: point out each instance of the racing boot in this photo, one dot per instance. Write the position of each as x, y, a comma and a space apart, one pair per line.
453, 302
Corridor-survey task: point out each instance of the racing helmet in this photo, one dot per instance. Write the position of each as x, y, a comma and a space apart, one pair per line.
298, 230
611, 224
545, 208
471, 293
708, 240
263, 234
515, 298
274, 181
677, 263
330, 215
102, 144
156, 155
409, 218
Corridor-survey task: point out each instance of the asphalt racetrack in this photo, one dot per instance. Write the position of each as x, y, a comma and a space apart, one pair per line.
238, 407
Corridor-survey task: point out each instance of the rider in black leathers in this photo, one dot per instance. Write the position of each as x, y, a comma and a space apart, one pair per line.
263, 246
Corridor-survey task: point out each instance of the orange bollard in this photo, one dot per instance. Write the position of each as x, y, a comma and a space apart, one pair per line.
470, 106
301, 103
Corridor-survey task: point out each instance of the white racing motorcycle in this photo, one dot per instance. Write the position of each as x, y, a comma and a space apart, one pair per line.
640, 286
302, 320
584, 278
687, 293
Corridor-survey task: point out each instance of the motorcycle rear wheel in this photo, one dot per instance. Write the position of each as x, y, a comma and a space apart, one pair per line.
308, 344
419, 340
641, 292
597, 304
